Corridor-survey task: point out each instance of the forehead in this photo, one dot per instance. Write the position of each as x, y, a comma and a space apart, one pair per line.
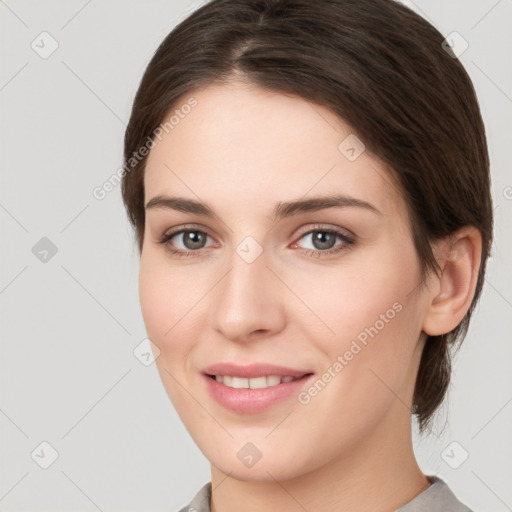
242, 145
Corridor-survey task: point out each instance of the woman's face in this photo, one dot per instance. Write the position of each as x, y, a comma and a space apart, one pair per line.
261, 282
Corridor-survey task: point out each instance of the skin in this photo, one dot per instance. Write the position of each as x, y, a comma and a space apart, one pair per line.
241, 151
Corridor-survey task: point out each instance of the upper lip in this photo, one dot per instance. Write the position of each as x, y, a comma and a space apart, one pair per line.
253, 370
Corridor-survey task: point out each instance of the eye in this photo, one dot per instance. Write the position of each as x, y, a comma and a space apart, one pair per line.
317, 242
323, 241
185, 241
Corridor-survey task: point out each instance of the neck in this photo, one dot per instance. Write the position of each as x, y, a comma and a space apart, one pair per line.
380, 474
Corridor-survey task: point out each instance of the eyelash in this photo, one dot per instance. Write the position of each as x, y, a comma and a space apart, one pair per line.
347, 242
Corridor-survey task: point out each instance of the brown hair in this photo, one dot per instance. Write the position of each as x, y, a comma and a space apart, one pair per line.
383, 70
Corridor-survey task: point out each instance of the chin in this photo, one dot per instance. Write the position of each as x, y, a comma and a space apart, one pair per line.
268, 464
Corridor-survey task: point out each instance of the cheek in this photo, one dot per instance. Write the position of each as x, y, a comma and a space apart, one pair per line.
163, 298
370, 320
172, 304
164, 310
154, 298
362, 298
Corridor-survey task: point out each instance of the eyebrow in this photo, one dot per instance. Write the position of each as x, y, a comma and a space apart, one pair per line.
281, 209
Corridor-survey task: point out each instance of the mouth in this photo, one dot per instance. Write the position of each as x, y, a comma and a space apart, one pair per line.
262, 382
254, 388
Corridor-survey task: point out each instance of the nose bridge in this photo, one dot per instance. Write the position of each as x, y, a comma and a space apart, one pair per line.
246, 299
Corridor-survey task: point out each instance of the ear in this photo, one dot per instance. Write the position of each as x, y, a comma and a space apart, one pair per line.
452, 292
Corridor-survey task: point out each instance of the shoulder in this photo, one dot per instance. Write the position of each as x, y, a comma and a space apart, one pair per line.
201, 501
438, 496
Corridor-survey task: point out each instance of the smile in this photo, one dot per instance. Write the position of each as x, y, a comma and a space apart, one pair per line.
255, 388
253, 383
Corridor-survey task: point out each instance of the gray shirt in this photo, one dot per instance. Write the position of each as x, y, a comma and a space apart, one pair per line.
438, 497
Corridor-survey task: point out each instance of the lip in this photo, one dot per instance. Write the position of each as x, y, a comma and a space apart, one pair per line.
252, 401
253, 370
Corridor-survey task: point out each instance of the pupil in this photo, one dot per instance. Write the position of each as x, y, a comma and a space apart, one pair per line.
194, 240
323, 240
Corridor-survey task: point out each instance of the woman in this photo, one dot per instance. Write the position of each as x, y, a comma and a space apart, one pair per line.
309, 186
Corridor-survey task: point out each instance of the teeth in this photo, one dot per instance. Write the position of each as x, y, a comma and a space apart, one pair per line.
254, 383
273, 380
257, 383
239, 382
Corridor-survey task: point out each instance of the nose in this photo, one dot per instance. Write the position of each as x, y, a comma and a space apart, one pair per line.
248, 302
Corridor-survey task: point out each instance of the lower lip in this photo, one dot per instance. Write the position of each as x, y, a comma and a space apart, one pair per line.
250, 401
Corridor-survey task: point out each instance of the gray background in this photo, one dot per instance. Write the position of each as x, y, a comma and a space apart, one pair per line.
70, 324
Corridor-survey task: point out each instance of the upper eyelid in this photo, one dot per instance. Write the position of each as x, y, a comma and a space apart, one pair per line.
187, 227
315, 227
326, 227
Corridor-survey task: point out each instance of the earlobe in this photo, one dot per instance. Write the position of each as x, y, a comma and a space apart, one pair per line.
453, 290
